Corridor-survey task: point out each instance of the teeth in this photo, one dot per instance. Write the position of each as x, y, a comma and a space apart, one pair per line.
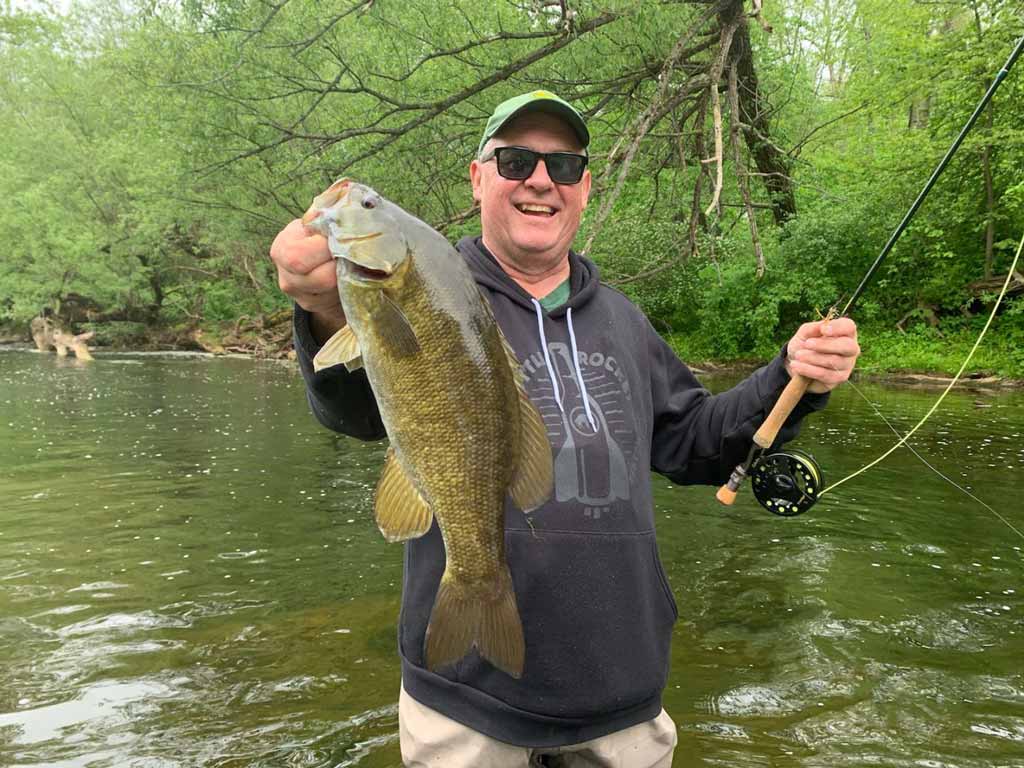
537, 208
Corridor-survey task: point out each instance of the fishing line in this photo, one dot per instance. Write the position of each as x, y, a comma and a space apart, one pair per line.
930, 466
903, 439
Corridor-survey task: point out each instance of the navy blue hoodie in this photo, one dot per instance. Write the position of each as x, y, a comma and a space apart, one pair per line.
596, 607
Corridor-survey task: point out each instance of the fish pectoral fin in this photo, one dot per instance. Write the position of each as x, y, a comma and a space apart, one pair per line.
395, 327
533, 480
402, 513
341, 348
460, 620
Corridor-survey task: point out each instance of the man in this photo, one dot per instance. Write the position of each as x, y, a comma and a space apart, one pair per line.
597, 611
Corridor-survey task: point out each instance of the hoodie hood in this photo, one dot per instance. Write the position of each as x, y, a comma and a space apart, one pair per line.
583, 277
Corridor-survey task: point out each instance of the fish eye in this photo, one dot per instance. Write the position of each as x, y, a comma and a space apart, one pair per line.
370, 202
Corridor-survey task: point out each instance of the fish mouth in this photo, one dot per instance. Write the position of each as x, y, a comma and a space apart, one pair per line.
326, 199
354, 271
364, 273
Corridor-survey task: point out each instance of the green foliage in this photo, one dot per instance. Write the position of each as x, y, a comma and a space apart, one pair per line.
152, 151
923, 349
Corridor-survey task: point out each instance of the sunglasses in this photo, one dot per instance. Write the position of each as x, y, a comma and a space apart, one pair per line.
518, 163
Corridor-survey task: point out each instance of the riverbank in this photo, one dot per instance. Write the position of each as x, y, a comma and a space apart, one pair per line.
919, 357
266, 336
910, 360
209, 345
924, 379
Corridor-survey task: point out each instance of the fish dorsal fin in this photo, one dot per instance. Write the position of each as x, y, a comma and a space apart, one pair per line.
395, 327
342, 347
534, 476
402, 513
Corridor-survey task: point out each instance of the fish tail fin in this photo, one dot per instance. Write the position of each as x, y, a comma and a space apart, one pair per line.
461, 620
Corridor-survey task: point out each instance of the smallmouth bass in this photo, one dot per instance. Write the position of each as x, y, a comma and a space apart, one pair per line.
463, 432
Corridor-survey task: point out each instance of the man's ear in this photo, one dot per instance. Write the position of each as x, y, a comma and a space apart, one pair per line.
585, 181
475, 173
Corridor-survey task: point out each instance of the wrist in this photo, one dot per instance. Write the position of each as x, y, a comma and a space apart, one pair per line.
324, 324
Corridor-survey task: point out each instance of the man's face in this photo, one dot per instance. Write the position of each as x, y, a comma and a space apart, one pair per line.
530, 224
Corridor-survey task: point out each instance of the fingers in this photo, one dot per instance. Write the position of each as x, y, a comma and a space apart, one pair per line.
827, 378
830, 362
297, 250
305, 268
843, 346
314, 292
825, 352
840, 326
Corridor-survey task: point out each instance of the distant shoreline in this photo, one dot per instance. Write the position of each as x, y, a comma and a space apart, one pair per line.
910, 378
914, 379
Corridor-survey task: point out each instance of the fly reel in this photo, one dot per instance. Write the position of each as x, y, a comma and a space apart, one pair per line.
786, 483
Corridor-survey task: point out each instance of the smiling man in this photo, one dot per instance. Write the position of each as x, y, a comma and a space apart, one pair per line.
529, 220
596, 608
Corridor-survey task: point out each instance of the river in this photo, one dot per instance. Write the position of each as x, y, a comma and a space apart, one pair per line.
190, 575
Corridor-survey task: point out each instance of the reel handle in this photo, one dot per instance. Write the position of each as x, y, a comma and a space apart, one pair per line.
769, 430
765, 436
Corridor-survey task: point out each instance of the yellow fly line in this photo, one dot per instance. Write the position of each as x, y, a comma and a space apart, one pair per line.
904, 438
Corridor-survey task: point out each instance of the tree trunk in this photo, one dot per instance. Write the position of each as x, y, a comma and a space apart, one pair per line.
771, 162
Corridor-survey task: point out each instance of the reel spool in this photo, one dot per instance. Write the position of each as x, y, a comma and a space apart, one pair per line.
786, 483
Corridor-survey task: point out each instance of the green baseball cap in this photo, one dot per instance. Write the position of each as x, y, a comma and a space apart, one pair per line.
534, 101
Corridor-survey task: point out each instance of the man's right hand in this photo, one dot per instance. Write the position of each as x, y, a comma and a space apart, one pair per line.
306, 272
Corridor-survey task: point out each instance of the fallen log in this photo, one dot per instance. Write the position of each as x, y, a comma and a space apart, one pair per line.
993, 285
48, 335
77, 343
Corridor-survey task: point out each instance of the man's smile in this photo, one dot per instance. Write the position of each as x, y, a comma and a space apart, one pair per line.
534, 209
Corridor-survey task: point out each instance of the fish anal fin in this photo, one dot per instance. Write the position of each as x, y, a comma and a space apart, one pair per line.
462, 619
395, 327
533, 480
402, 513
341, 348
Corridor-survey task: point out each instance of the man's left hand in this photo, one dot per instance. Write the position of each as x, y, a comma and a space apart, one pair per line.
824, 352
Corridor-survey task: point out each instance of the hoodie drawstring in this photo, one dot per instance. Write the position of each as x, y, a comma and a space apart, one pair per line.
575, 360
547, 357
579, 373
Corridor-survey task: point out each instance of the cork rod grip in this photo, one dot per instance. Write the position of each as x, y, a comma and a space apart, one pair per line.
787, 401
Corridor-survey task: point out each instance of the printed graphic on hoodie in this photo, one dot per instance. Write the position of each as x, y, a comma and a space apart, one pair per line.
593, 467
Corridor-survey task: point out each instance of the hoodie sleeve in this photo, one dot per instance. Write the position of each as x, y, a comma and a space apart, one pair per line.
340, 400
699, 437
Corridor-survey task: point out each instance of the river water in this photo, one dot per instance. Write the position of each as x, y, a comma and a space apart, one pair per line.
190, 575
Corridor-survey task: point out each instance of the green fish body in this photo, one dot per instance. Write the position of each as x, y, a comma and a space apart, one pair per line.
463, 432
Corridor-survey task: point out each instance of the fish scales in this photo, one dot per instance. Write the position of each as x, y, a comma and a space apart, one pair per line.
463, 433
463, 480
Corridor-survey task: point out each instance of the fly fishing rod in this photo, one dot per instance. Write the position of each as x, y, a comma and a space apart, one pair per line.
788, 482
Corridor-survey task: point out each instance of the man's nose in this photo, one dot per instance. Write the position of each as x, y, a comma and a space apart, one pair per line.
539, 178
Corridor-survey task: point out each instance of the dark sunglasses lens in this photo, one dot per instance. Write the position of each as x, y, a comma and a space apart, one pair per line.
516, 163
565, 168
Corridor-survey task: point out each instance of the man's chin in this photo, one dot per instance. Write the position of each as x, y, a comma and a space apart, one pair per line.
539, 238
542, 249
535, 258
